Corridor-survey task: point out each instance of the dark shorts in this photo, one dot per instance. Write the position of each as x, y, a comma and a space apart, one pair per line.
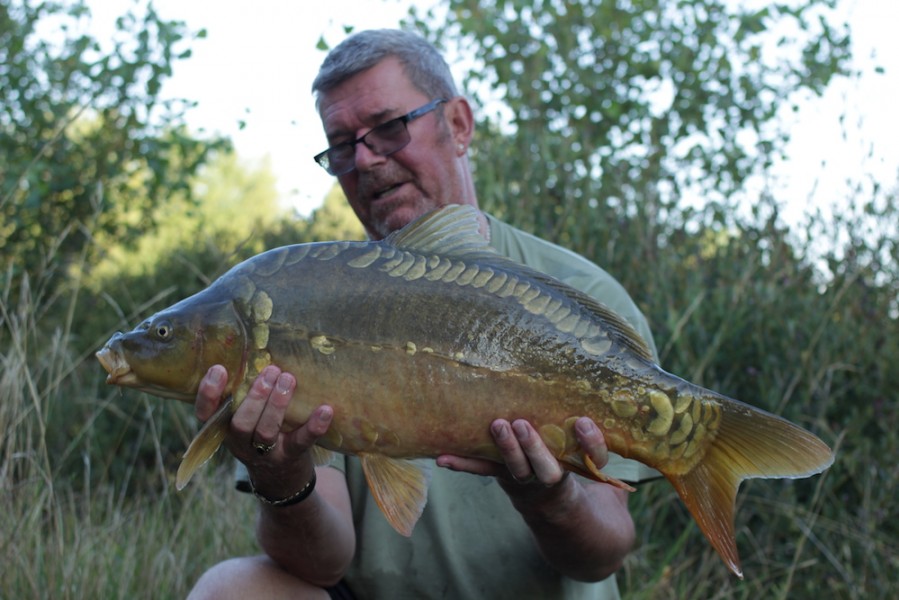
341, 591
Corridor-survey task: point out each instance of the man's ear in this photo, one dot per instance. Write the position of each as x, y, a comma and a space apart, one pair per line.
461, 122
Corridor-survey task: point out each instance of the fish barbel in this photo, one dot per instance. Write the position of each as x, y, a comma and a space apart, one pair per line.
419, 341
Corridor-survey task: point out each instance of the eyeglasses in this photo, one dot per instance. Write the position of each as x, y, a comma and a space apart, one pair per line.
385, 139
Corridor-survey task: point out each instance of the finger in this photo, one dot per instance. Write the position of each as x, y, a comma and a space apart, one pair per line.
269, 424
245, 419
303, 438
592, 441
511, 450
540, 460
210, 391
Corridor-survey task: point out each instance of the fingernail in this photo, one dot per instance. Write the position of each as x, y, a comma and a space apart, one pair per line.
585, 426
270, 376
216, 375
283, 385
499, 431
522, 431
325, 415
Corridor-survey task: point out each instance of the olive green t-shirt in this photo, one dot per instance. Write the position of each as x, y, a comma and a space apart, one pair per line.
470, 543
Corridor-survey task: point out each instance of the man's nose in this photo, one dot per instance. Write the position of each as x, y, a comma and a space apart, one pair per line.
366, 158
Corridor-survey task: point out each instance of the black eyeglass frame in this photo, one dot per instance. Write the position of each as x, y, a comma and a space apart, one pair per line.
324, 161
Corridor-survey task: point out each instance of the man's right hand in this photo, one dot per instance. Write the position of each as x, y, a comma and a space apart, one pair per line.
257, 423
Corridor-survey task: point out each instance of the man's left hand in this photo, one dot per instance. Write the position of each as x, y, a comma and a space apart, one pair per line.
526, 457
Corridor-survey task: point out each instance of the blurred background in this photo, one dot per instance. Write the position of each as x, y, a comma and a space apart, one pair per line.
733, 163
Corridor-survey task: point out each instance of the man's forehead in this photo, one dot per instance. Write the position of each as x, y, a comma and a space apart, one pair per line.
367, 99
346, 118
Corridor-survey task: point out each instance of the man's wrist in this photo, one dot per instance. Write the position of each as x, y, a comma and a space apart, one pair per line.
291, 500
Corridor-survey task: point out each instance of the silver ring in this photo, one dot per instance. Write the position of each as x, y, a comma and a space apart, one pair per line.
263, 449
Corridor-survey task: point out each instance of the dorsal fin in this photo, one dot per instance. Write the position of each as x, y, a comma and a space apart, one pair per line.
614, 324
449, 231
453, 231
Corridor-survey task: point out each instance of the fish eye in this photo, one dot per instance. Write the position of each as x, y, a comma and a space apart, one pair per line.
163, 330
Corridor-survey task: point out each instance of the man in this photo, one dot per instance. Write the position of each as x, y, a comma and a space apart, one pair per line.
398, 135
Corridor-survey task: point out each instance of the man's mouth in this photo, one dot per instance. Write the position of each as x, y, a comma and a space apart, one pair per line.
386, 191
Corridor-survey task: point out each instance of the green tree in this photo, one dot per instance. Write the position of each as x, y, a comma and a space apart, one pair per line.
620, 107
335, 219
84, 135
230, 213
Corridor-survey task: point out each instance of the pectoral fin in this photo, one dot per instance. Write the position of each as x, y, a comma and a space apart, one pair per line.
598, 475
584, 466
399, 487
204, 445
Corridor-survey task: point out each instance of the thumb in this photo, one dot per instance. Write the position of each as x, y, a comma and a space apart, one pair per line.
302, 439
209, 393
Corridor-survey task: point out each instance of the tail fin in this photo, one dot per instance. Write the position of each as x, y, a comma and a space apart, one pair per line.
750, 443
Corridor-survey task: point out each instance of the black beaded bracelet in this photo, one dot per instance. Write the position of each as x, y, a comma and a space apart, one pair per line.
304, 493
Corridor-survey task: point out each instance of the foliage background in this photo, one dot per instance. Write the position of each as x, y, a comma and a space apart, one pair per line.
111, 208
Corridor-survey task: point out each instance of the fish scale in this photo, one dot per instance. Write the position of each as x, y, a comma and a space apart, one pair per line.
419, 341
648, 439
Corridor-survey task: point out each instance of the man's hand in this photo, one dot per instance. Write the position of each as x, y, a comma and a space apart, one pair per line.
313, 540
256, 425
582, 528
526, 457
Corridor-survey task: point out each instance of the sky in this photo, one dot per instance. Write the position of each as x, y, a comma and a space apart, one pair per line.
257, 63
255, 67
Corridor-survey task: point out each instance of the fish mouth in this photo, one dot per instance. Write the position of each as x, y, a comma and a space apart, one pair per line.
121, 374
118, 369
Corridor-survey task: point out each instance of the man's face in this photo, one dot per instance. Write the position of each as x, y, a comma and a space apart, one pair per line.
388, 192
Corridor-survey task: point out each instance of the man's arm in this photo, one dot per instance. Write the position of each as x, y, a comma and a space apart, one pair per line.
583, 529
313, 540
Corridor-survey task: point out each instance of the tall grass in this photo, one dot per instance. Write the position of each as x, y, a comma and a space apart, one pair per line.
84, 514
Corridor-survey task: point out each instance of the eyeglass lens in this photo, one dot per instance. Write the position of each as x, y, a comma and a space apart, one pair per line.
384, 139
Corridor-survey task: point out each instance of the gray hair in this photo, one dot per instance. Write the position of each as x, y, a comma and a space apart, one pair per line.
421, 62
